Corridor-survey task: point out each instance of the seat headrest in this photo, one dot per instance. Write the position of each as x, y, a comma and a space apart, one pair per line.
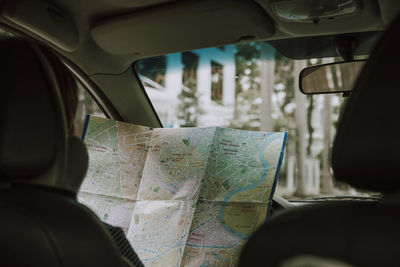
367, 144
33, 136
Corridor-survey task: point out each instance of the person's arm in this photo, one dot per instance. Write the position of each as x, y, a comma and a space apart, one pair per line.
123, 245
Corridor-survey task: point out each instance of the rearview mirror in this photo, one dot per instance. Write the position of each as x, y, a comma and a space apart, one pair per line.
337, 77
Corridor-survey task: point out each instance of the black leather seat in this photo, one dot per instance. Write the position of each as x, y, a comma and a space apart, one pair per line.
365, 155
40, 223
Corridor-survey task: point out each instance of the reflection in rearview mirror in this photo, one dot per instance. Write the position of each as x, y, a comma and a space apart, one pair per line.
338, 77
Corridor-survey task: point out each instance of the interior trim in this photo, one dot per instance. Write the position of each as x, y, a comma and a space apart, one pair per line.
183, 25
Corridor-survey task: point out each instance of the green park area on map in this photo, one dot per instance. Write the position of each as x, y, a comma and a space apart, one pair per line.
183, 196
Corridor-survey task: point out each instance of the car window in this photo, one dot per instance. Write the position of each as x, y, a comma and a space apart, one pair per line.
86, 105
252, 86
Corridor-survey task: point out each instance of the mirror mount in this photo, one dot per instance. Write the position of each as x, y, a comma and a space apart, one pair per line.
346, 46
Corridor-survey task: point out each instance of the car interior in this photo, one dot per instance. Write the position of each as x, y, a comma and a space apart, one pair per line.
42, 219
100, 41
356, 232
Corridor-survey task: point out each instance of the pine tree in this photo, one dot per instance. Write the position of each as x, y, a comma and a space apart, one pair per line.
188, 107
247, 91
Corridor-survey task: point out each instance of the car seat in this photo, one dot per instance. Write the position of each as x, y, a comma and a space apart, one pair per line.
365, 155
41, 224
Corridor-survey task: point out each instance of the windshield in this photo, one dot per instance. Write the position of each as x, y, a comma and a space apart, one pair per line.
252, 86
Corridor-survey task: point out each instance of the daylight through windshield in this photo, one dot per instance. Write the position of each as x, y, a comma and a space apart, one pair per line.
252, 86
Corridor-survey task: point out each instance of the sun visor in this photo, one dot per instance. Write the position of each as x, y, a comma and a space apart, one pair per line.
324, 46
183, 26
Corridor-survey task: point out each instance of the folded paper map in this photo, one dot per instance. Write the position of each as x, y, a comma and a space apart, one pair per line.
185, 196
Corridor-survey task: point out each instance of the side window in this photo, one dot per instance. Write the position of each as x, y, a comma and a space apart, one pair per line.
153, 69
86, 105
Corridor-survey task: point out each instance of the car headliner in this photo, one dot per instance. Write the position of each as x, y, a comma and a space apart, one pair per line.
100, 39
